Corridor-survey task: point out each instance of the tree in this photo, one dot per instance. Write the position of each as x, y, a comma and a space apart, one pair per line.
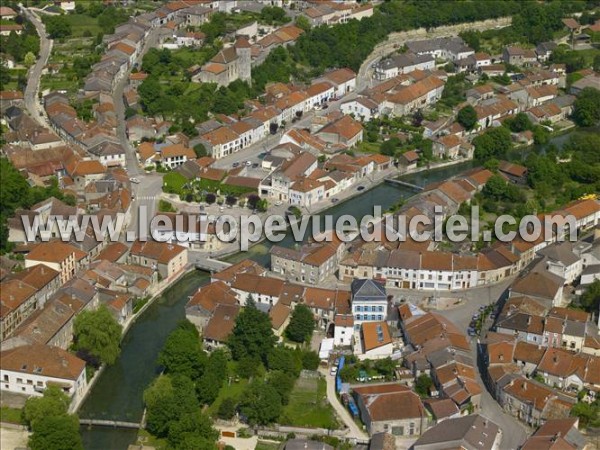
590, 299
521, 122
588, 414
283, 383
471, 38
385, 367
252, 201
252, 335
54, 402
208, 386
59, 432
167, 399
586, 110
98, 333
467, 117
210, 198
193, 427
284, 359
57, 26
29, 59
182, 354
227, 408
423, 385
302, 324
200, 150
310, 360
261, 404
302, 22
494, 143
231, 200
390, 146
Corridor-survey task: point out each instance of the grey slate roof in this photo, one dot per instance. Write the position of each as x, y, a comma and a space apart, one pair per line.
368, 290
469, 432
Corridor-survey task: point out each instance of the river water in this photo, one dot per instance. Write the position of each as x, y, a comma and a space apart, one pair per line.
117, 395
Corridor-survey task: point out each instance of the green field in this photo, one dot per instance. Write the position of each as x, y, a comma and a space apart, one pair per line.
82, 22
308, 406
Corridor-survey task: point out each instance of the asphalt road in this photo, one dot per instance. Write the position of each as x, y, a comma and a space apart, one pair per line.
147, 194
36, 111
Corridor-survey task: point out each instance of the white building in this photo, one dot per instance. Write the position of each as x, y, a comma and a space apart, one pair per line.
369, 301
362, 108
29, 369
343, 330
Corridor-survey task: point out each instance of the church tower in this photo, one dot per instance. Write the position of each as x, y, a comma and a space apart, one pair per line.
243, 49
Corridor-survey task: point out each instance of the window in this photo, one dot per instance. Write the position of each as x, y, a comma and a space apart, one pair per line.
358, 317
372, 316
380, 308
358, 308
379, 317
398, 431
5, 377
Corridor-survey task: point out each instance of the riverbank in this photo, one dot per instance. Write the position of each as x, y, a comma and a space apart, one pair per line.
159, 289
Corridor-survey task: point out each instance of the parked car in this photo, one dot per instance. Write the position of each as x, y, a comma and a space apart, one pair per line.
255, 165
235, 164
278, 203
134, 180
335, 200
248, 163
333, 371
471, 331
360, 188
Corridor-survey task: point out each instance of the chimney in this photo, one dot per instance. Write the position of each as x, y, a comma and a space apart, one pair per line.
524, 386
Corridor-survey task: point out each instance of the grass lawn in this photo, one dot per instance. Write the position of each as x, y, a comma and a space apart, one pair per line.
82, 22
589, 55
228, 391
10, 415
368, 147
266, 446
308, 406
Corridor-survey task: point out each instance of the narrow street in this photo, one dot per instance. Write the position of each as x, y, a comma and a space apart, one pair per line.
32, 103
133, 167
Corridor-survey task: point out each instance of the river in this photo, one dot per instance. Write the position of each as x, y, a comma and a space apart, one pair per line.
117, 395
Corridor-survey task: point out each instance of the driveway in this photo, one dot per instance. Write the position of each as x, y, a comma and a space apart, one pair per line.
35, 72
355, 431
12, 438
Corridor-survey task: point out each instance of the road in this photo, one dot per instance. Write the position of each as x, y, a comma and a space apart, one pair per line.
133, 167
147, 194
355, 431
251, 152
34, 76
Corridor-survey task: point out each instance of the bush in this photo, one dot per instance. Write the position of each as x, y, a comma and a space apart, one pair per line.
165, 206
